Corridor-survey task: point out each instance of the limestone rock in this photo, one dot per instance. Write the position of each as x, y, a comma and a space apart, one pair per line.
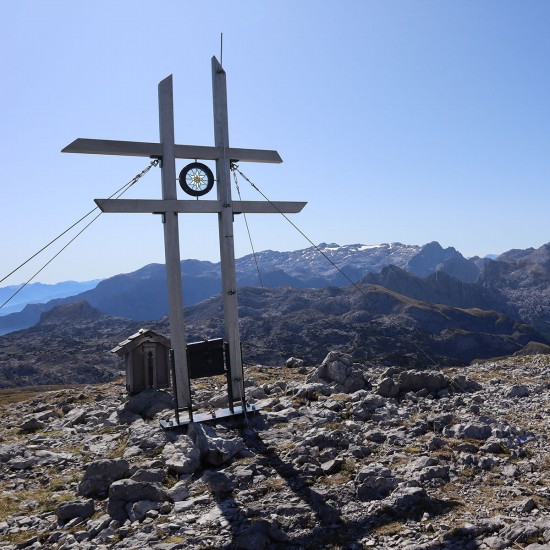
100, 475
74, 417
414, 381
217, 482
32, 424
182, 456
146, 435
470, 430
374, 482
75, 509
127, 491
153, 475
294, 362
214, 450
148, 402
519, 390
404, 499
339, 370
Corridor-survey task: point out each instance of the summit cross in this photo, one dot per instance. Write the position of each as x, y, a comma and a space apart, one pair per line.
167, 151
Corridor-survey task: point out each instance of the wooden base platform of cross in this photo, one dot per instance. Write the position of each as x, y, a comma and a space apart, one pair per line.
195, 181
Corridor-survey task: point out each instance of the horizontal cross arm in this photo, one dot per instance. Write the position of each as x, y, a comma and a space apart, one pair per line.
143, 206
195, 207
146, 149
261, 207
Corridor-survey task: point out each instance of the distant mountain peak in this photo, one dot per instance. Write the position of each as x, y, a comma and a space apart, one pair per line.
74, 311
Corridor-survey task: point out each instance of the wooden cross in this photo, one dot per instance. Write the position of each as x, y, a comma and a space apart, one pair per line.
170, 206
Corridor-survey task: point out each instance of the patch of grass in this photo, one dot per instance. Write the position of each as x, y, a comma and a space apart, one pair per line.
175, 539
335, 480
47, 499
388, 529
24, 393
280, 425
333, 426
170, 481
245, 460
50, 433
345, 474
275, 484
444, 453
298, 402
349, 466
340, 397
118, 450
108, 430
411, 449
151, 453
453, 442
21, 537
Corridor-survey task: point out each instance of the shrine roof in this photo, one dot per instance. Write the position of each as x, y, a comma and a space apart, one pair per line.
141, 336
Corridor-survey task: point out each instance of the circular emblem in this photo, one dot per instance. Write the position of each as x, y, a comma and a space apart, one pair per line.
196, 179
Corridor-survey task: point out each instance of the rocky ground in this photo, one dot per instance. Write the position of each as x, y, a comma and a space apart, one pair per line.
341, 456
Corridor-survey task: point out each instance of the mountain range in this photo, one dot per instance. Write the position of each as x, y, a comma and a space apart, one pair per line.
516, 283
408, 305
141, 295
37, 293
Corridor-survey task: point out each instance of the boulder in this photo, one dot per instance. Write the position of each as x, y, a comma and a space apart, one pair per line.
405, 499
519, 390
133, 491
31, 425
127, 491
214, 450
179, 492
146, 435
255, 537
420, 382
74, 417
100, 475
138, 510
461, 384
217, 482
294, 362
75, 509
388, 388
414, 381
153, 475
339, 370
148, 402
471, 430
182, 456
374, 482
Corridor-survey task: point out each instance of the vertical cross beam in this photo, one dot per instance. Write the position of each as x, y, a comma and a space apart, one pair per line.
225, 225
171, 242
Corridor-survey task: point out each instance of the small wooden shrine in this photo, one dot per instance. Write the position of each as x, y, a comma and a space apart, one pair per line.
147, 359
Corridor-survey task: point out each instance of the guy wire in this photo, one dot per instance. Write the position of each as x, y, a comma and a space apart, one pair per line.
116, 194
235, 167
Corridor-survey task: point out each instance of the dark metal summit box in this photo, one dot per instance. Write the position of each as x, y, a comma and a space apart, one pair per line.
147, 359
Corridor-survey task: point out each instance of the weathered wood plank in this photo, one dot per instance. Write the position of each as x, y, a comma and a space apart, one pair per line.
143, 206
148, 206
225, 227
172, 243
114, 147
146, 149
261, 207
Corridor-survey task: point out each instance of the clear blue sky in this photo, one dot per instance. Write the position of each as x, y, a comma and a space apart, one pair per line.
406, 121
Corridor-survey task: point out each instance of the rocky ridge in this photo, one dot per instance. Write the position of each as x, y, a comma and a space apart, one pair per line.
343, 455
